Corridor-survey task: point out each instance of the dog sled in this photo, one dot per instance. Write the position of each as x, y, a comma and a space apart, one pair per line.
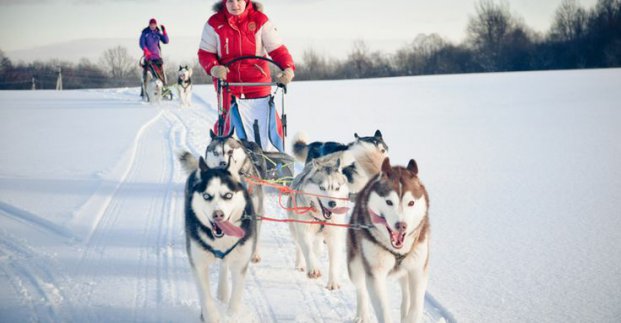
274, 166
156, 71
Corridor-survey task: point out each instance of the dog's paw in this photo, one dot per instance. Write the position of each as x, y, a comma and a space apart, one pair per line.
332, 285
363, 319
256, 259
213, 318
313, 274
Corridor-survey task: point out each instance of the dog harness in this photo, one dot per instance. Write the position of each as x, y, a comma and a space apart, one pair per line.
180, 83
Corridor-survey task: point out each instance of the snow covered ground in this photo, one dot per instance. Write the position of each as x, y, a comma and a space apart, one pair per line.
522, 171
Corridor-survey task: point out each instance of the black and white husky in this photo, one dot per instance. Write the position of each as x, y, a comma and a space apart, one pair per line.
360, 159
324, 188
226, 151
393, 241
219, 224
153, 89
184, 86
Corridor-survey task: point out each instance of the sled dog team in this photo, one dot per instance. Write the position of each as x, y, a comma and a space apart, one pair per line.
388, 234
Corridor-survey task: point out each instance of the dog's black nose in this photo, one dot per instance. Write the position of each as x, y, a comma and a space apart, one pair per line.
332, 204
218, 215
401, 226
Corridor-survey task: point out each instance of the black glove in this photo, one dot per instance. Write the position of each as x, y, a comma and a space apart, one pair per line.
163, 29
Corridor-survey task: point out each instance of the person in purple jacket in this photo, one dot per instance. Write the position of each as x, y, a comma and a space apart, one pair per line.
150, 44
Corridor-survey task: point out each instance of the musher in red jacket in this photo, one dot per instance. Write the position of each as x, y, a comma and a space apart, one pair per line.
240, 28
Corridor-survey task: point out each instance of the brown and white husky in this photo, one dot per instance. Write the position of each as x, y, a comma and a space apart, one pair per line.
393, 242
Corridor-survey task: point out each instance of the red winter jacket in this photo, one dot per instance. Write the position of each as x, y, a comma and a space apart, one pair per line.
226, 37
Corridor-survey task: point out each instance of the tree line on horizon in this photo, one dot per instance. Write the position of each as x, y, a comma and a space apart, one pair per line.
497, 41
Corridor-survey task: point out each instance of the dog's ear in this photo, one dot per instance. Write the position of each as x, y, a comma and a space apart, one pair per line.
180, 67
356, 136
202, 165
386, 169
212, 134
378, 134
186, 67
412, 167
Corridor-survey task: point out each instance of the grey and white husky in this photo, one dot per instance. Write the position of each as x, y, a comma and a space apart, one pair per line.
226, 151
394, 241
324, 188
184, 86
216, 228
361, 159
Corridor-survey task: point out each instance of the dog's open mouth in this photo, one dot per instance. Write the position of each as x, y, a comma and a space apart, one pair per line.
221, 228
217, 230
396, 238
327, 212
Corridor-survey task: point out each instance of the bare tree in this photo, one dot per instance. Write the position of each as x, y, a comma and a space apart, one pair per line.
487, 31
570, 22
119, 64
359, 59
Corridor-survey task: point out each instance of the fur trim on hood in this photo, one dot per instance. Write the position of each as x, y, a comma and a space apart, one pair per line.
220, 4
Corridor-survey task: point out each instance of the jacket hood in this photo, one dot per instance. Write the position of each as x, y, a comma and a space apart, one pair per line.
221, 6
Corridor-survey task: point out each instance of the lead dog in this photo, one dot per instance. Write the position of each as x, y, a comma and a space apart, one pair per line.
216, 228
227, 151
324, 188
395, 242
184, 86
360, 159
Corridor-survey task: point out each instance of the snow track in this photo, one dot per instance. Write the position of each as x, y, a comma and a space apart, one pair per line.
122, 253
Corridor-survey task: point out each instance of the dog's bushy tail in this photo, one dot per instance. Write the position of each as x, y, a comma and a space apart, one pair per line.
300, 146
189, 163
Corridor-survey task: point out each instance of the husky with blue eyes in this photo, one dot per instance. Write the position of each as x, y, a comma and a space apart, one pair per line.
226, 151
220, 227
392, 240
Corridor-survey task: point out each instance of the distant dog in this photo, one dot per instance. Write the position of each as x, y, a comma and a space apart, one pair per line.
229, 152
392, 208
153, 90
360, 159
219, 224
184, 86
326, 187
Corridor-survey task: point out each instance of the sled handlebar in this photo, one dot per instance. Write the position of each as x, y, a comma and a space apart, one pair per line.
241, 58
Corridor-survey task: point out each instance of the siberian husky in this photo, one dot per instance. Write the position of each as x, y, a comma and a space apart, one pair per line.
184, 86
326, 187
153, 91
361, 159
394, 241
229, 152
216, 227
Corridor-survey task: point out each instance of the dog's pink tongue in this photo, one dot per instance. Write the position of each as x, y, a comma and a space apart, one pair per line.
397, 237
375, 218
231, 230
339, 210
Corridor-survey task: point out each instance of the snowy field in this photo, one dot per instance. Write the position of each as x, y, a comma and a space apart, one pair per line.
522, 171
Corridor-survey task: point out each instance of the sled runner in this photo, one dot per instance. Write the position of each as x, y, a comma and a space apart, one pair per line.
257, 120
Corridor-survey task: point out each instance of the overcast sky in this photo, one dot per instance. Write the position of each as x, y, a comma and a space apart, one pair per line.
328, 25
